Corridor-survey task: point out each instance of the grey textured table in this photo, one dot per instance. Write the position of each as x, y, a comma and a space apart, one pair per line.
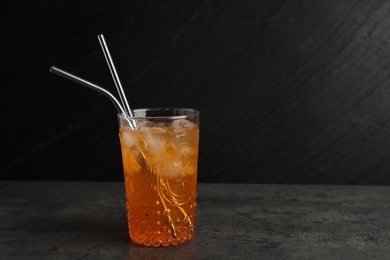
87, 220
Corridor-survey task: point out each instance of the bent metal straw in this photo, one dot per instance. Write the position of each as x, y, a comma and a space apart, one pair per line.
88, 84
93, 86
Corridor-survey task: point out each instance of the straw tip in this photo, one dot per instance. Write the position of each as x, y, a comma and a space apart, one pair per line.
51, 68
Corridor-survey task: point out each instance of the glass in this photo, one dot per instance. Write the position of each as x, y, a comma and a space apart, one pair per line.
160, 162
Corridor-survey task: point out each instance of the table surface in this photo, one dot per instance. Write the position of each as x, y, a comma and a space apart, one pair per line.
87, 220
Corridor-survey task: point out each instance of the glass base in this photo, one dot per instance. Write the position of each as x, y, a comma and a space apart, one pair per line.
159, 238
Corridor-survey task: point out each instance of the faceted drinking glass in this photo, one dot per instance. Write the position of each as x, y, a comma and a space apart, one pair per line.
160, 162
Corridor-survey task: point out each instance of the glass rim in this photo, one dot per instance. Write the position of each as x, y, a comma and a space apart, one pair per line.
188, 112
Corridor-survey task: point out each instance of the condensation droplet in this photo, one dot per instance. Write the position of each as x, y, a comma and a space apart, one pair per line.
186, 219
167, 212
178, 220
156, 203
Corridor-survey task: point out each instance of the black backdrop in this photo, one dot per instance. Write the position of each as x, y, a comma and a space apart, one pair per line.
289, 91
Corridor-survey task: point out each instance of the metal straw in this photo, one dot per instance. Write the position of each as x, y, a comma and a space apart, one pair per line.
114, 74
88, 84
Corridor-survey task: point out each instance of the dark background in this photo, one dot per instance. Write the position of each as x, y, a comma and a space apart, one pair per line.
289, 91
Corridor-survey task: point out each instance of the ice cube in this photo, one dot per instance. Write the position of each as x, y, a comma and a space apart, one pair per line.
168, 164
183, 132
189, 169
127, 139
144, 125
186, 149
156, 139
169, 167
182, 125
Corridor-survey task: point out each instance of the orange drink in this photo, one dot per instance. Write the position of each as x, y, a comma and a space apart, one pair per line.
160, 162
